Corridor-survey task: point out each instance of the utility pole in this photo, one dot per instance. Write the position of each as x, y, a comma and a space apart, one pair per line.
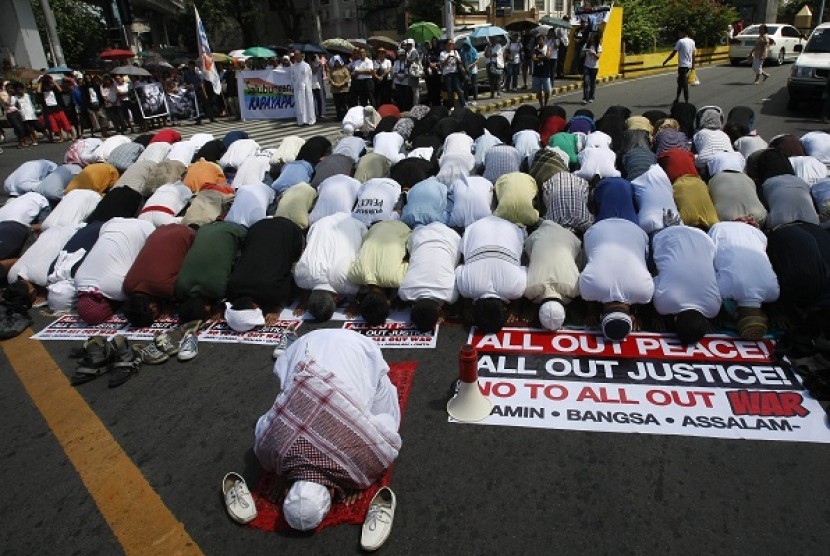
449, 18
52, 32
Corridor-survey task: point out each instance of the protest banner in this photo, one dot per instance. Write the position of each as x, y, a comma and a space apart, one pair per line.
722, 387
71, 327
396, 335
266, 95
152, 101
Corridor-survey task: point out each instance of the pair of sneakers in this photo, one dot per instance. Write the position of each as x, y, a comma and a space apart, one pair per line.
182, 343
99, 356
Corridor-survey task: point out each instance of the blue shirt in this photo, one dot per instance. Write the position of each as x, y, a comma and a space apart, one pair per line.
426, 202
293, 173
614, 198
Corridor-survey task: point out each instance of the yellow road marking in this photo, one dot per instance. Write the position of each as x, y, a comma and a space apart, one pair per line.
134, 511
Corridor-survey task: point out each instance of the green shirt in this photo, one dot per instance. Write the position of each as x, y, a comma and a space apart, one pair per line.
207, 267
381, 260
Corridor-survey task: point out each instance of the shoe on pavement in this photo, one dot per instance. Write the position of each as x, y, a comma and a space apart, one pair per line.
378, 523
14, 323
238, 499
285, 341
189, 346
168, 341
152, 355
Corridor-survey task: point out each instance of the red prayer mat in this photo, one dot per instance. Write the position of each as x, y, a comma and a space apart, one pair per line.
268, 493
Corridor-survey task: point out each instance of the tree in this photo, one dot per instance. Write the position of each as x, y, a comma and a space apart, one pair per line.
706, 21
233, 18
81, 30
640, 25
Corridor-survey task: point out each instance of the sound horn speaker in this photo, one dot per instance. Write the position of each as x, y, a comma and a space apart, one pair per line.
469, 404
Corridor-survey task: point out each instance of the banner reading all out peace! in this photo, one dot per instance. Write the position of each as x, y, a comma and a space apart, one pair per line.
722, 387
266, 95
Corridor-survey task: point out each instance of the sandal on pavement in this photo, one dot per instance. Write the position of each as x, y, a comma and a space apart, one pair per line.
127, 361
378, 523
238, 499
168, 342
97, 361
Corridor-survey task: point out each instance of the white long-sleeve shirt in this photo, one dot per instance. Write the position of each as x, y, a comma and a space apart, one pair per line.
332, 245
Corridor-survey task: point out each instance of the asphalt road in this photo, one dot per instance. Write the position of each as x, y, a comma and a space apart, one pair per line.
461, 489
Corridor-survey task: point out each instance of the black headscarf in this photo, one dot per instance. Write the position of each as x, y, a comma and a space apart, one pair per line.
498, 126
684, 113
410, 171
314, 149
120, 201
211, 151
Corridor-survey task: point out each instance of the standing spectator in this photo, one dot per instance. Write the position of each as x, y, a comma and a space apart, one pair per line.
685, 50
591, 52
759, 53
413, 57
11, 107
231, 91
123, 90
340, 79
528, 44
75, 109
495, 65
433, 73
383, 74
110, 96
94, 102
193, 78
541, 71
317, 91
562, 35
402, 95
363, 79
470, 56
513, 58
51, 99
449, 61
303, 96
552, 45
27, 112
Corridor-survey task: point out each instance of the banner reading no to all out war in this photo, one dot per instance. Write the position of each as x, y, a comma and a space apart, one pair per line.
723, 387
266, 95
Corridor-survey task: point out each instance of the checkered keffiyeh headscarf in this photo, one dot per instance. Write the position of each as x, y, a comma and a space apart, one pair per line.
320, 434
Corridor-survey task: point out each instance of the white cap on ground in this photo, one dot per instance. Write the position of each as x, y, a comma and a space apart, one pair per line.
243, 320
552, 315
61, 295
306, 505
348, 129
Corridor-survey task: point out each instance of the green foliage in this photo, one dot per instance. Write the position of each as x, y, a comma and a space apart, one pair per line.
640, 24
649, 23
231, 22
81, 30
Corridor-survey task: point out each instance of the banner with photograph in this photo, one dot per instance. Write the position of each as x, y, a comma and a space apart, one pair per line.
266, 95
152, 100
723, 387
71, 327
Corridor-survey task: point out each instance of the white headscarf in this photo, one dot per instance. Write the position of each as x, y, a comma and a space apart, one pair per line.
243, 320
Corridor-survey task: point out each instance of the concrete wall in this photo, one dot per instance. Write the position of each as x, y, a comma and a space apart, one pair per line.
647, 64
18, 34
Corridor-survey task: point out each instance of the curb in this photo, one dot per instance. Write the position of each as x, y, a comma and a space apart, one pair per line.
531, 97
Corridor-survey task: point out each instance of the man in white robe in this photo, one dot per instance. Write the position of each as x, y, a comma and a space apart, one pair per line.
303, 97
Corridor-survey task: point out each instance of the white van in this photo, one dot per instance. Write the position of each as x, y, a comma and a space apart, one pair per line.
808, 77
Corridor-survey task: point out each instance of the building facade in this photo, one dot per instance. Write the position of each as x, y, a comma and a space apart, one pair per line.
20, 44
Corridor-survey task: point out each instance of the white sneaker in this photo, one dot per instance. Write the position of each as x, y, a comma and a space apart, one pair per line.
285, 341
378, 523
238, 500
189, 346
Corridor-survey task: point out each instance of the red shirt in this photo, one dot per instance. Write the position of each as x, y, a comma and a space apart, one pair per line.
677, 162
157, 266
167, 136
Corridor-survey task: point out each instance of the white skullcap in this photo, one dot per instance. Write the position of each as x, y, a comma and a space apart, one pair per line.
306, 505
243, 320
348, 129
61, 296
552, 315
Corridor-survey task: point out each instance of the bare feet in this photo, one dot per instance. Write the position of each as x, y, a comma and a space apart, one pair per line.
352, 498
299, 310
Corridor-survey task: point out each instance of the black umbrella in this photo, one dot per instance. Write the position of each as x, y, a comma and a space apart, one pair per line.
308, 48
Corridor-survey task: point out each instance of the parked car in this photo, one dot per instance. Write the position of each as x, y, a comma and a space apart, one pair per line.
786, 39
808, 77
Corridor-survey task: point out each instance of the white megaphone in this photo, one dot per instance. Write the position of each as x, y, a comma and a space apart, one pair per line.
468, 404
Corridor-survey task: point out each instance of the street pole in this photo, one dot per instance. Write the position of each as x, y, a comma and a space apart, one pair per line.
450, 20
52, 32
820, 13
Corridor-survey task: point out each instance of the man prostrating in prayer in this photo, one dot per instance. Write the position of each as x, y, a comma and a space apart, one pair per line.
333, 429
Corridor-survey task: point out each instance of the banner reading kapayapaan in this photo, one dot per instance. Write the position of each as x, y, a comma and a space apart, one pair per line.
266, 95
721, 387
